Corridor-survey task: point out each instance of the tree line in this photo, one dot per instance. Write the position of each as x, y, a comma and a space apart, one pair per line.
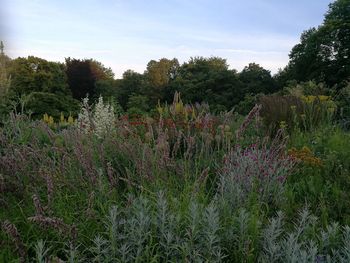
42, 86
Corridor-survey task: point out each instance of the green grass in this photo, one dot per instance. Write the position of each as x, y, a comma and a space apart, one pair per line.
170, 206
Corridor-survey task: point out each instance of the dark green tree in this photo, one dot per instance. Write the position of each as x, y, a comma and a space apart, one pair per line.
138, 104
256, 79
107, 88
40, 86
158, 76
5, 78
34, 74
131, 83
208, 80
39, 103
5, 81
81, 79
323, 53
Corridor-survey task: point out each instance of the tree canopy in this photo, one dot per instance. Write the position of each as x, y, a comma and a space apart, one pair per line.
35, 74
323, 53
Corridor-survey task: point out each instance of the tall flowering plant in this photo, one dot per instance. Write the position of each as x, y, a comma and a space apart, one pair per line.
98, 119
261, 168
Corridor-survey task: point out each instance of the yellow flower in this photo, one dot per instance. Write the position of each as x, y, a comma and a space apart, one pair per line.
179, 107
323, 98
160, 108
193, 114
308, 99
283, 125
305, 155
51, 120
70, 119
46, 118
62, 119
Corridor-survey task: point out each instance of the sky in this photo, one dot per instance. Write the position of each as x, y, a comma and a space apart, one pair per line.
127, 34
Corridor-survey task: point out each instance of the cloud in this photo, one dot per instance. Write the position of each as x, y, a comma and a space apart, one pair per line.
128, 34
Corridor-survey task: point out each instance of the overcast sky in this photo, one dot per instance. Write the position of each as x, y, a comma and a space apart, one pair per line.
126, 34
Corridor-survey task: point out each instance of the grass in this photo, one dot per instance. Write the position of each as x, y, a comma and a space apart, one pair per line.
184, 185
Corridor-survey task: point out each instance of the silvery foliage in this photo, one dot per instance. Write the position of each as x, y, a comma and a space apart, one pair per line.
303, 243
98, 119
148, 231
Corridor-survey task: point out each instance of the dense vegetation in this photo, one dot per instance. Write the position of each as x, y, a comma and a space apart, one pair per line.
183, 163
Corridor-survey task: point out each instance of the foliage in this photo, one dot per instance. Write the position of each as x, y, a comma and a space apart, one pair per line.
99, 119
5, 81
39, 103
297, 112
138, 104
343, 106
208, 80
131, 83
183, 180
256, 169
81, 78
256, 80
5, 78
34, 74
149, 190
323, 52
158, 76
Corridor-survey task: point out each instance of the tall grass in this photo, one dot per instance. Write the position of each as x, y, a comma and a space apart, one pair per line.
183, 185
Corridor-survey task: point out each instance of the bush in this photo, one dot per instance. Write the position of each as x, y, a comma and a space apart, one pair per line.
257, 169
39, 103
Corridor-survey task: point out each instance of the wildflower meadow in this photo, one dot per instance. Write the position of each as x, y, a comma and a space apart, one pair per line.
192, 159
179, 185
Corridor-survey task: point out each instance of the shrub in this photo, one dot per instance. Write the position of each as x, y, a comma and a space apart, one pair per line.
276, 109
99, 119
39, 103
259, 169
297, 113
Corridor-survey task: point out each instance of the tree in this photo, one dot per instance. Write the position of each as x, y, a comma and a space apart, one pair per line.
107, 88
5, 80
39, 103
256, 80
100, 72
131, 83
208, 80
138, 104
43, 84
158, 76
34, 74
81, 79
89, 77
323, 53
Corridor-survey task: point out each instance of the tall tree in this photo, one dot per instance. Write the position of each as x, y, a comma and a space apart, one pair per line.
81, 79
158, 76
323, 53
256, 79
39, 75
208, 80
100, 72
132, 83
5, 79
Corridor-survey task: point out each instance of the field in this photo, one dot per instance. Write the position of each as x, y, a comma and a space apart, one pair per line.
180, 185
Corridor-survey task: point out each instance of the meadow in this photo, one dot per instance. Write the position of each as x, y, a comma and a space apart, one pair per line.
179, 185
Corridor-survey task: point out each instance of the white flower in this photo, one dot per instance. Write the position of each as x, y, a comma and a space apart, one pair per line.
84, 118
103, 118
100, 119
